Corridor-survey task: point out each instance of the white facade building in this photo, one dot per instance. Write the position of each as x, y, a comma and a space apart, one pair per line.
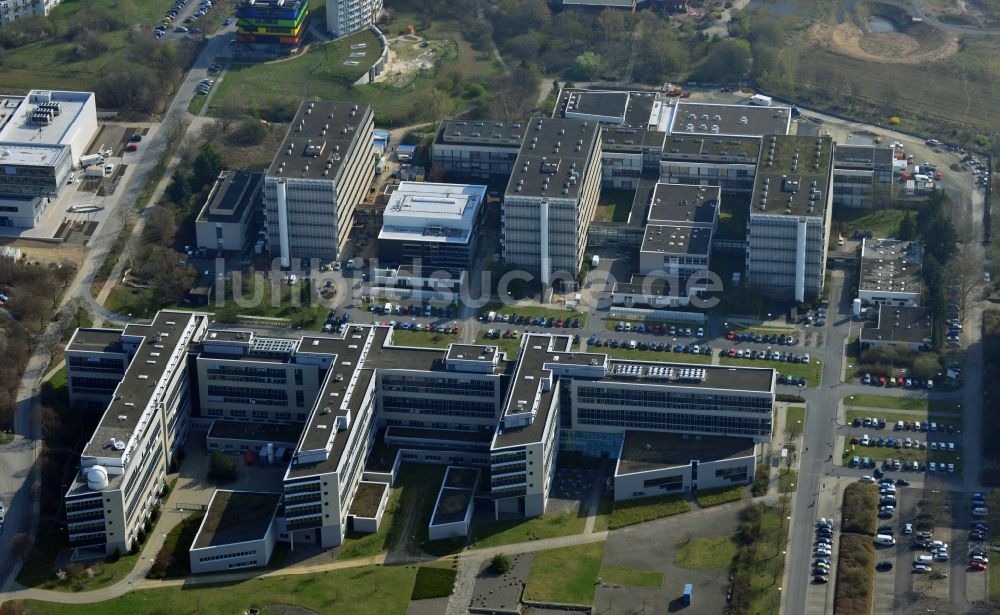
345, 17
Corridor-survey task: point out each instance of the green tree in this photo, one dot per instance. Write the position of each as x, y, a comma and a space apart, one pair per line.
727, 61
500, 564
221, 468
206, 167
907, 228
588, 64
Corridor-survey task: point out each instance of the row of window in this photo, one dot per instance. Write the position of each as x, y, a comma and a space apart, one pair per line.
698, 423
215, 558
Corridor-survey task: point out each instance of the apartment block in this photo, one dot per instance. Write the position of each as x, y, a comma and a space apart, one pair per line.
790, 210
550, 200
345, 17
477, 150
321, 172
13, 10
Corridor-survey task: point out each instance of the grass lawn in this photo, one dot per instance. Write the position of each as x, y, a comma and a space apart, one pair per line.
811, 372
178, 543
614, 205
433, 582
769, 562
510, 345
787, 481
6, 438
425, 339
367, 590
605, 506
904, 403
566, 575
636, 577
883, 222
415, 484
497, 533
714, 497
795, 420
994, 586
714, 553
37, 572
533, 311
655, 355
758, 330
630, 512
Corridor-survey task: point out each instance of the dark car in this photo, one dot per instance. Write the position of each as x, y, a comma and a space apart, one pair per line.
885, 565
902, 482
821, 578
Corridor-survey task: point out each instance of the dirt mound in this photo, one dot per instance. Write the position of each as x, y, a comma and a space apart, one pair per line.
916, 45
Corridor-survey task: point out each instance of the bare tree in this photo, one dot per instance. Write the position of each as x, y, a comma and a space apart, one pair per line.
965, 271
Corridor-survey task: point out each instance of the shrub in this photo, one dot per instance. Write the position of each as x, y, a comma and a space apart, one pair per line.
221, 469
630, 512
500, 564
855, 575
117, 555
860, 507
760, 480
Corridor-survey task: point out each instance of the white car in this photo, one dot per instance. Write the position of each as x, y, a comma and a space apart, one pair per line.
867, 479
907, 528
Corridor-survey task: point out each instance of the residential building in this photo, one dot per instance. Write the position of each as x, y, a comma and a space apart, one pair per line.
477, 150
549, 203
272, 22
13, 10
891, 272
345, 17
226, 219
862, 175
790, 210
433, 226
468, 405
899, 327
322, 170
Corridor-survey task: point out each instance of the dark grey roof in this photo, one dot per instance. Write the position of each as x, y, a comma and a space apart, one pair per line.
664, 239
651, 450
138, 385
711, 148
912, 325
323, 154
756, 379
685, 204
631, 140
481, 132
624, 107
231, 195
244, 430
862, 156
789, 173
746, 120
891, 266
96, 340
553, 160
236, 516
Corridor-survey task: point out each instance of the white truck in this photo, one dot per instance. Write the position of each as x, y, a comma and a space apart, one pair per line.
94, 172
90, 160
761, 101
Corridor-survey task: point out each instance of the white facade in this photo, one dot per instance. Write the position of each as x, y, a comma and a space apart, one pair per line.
13, 10
344, 17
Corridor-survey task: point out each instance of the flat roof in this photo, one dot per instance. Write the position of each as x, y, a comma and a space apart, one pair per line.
436, 212
862, 156
553, 159
793, 177
22, 126
230, 196
727, 119
712, 148
913, 325
236, 516
618, 139
685, 204
652, 450
322, 135
454, 435
525, 385
665, 239
96, 340
243, 430
627, 108
481, 132
38, 154
754, 379
472, 352
160, 341
367, 499
891, 265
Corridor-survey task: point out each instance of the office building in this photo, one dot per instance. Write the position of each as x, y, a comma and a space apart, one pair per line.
790, 210
891, 272
225, 221
465, 405
477, 150
726, 161
433, 226
906, 327
862, 175
550, 200
237, 531
272, 22
124, 464
345, 17
95, 363
321, 172
727, 120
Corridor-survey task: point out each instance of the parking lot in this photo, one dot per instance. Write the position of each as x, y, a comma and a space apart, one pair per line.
181, 20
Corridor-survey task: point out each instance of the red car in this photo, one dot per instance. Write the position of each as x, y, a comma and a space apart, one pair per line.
881, 381
131, 147
731, 335
977, 566
900, 381
732, 352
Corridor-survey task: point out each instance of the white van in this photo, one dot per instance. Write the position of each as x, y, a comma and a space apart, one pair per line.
923, 559
884, 539
980, 511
